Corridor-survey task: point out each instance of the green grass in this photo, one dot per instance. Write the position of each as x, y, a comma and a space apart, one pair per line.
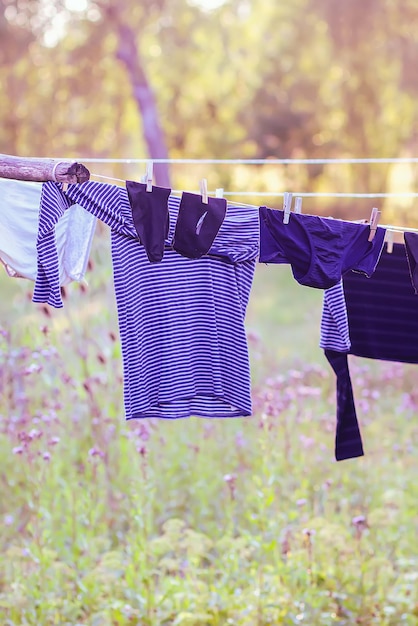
195, 522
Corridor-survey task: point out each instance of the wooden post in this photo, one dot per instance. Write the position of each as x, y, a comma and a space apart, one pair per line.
41, 170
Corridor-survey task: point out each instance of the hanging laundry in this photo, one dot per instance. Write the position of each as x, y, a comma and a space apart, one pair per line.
319, 250
348, 442
411, 248
198, 224
381, 314
335, 334
181, 320
150, 217
335, 339
22, 216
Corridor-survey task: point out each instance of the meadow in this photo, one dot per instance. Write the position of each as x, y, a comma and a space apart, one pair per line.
243, 522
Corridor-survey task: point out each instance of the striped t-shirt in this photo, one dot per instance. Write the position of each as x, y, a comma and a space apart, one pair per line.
181, 321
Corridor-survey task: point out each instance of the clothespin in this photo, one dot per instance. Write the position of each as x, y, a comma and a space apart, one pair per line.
219, 193
204, 190
389, 237
298, 205
149, 175
374, 220
287, 204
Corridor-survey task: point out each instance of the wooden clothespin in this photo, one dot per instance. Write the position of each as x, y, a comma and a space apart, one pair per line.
389, 238
149, 175
374, 220
204, 190
219, 193
298, 205
287, 205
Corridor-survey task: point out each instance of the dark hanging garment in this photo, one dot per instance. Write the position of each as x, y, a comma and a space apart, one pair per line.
383, 310
197, 224
150, 217
319, 250
382, 314
348, 442
411, 247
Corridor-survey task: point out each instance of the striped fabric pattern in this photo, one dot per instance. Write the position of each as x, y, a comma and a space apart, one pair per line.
53, 204
181, 321
373, 317
64, 237
383, 311
335, 334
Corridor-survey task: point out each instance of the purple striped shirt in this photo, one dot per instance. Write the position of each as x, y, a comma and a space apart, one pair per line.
181, 321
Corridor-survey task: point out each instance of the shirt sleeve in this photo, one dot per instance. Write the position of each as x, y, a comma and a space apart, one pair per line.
109, 203
53, 204
335, 334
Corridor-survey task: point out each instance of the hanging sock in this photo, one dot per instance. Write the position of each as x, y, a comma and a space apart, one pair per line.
411, 248
197, 224
150, 217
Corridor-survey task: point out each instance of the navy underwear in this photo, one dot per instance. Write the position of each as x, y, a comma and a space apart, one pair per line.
411, 248
150, 217
197, 224
319, 250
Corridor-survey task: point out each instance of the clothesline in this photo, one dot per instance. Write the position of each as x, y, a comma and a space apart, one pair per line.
303, 194
396, 228
260, 161
400, 229
325, 194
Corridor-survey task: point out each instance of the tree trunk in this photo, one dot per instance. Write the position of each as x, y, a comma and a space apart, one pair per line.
128, 53
42, 170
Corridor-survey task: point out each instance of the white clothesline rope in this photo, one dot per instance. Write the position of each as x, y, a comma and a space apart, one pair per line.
399, 229
396, 228
259, 161
302, 194
325, 194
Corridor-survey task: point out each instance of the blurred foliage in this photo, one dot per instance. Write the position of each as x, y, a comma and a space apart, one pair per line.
243, 522
237, 522
308, 79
